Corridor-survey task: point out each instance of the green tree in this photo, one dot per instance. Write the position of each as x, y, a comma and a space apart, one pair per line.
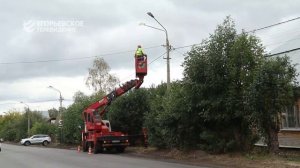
100, 78
126, 114
11, 126
217, 77
272, 92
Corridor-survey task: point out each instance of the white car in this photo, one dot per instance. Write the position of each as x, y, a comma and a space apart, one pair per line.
37, 139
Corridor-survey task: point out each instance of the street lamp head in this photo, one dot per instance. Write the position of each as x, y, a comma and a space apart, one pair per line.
150, 14
51, 87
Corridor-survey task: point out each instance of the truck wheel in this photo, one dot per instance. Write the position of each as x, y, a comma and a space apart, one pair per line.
120, 149
45, 143
27, 143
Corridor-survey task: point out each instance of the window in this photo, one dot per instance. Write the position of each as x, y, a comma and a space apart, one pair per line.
97, 116
89, 118
290, 118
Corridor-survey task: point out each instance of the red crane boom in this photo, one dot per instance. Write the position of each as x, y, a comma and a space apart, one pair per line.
97, 134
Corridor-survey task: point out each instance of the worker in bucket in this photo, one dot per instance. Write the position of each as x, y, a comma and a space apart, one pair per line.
139, 54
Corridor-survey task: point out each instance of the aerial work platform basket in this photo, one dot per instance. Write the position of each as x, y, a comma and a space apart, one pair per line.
141, 66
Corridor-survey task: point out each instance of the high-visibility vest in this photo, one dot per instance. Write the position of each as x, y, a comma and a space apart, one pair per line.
139, 52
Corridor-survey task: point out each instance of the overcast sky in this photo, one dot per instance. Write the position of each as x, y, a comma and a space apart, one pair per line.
55, 42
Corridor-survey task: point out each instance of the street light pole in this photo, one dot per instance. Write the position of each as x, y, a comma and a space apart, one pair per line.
167, 48
28, 119
59, 111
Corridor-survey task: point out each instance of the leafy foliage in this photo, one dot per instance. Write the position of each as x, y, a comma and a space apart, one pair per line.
218, 75
13, 125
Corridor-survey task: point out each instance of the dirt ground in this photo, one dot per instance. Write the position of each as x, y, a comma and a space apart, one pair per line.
257, 159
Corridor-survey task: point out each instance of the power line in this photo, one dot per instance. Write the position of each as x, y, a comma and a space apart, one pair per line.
186, 46
72, 59
157, 58
179, 52
283, 52
270, 55
276, 24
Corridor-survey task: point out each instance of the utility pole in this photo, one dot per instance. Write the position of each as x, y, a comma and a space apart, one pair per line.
167, 48
60, 121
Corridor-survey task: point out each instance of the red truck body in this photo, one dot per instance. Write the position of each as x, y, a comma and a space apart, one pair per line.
97, 134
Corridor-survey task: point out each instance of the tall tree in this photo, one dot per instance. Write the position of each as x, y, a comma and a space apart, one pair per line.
100, 78
272, 92
217, 77
245, 57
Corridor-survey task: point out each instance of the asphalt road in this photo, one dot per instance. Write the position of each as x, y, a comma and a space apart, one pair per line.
14, 156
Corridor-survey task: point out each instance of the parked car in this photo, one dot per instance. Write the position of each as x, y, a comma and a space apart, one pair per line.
36, 139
